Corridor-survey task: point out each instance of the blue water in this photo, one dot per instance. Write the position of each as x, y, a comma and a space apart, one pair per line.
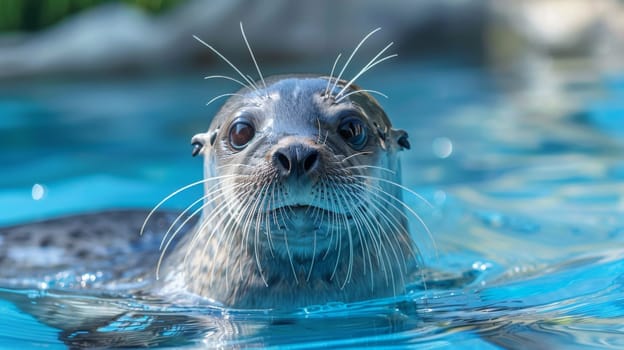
527, 193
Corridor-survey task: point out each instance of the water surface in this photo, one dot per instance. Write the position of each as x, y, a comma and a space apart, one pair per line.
527, 198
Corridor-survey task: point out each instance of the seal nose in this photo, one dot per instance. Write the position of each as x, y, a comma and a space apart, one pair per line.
297, 160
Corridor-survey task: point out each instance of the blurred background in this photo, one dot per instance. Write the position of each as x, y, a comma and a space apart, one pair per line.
99, 98
99, 37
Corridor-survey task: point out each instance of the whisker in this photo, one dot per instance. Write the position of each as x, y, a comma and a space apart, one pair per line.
344, 203
166, 246
359, 92
288, 252
395, 225
199, 231
364, 166
360, 221
222, 96
271, 204
404, 205
222, 208
374, 229
368, 66
332, 218
371, 65
228, 78
253, 215
262, 219
318, 137
253, 57
175, 233
355, 155
176, 192
326, 136
209, 193
254, 84
180, 217
315, 215
376, 206
226, 60
227, 222
233, 223
399, 186
223, 166
331, 75
351, 56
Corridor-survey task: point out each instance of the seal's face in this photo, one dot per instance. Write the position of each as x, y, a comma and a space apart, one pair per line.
299, 166
304, 176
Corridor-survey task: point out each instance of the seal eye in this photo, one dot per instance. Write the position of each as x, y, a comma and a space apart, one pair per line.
353, 131
241, 132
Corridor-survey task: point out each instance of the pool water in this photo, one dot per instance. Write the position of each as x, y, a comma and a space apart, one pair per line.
527, 195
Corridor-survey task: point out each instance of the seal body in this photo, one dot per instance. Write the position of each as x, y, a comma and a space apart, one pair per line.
302, 200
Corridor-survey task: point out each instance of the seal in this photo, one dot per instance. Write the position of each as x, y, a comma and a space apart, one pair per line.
302, 199
302, 202
302, 205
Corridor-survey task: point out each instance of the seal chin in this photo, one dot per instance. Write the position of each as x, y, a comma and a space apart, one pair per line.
305, 229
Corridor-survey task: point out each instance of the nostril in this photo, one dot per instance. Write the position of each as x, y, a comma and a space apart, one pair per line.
296, 160
310, 162
282, 161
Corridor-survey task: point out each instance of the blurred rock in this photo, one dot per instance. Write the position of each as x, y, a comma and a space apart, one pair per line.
543, 40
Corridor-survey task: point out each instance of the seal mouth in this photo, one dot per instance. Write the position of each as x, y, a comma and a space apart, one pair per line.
310, 209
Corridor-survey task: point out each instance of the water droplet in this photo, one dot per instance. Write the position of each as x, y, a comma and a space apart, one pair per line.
481, 266
442, 147
439, 197
38, 192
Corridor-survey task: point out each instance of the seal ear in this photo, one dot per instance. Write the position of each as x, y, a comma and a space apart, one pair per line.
198, 141
401, 138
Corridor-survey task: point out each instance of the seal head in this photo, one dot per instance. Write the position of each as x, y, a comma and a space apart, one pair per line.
302, 199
